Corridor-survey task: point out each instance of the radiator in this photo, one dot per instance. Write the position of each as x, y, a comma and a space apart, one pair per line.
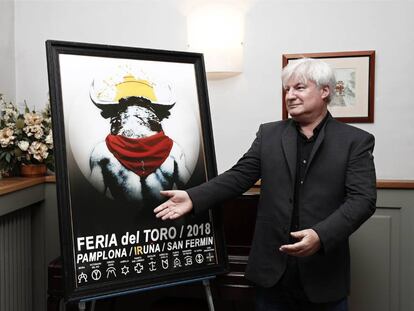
15, 261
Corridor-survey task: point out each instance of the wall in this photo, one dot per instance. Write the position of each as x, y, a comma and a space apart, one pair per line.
240, 103
7, 63
277, 27
133, 23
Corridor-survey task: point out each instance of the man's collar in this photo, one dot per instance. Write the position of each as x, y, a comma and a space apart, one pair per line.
318, 128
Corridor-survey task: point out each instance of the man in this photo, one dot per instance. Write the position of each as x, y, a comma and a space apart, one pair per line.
317, 187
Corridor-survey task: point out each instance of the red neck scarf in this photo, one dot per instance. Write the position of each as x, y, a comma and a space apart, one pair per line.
140, 155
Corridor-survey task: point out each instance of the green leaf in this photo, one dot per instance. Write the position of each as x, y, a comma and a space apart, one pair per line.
20, 123
18, 152
8, 157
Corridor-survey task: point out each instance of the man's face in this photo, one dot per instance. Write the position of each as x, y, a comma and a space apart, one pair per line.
305, 102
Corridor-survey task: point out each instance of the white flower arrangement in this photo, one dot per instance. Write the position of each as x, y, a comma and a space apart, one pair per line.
24, 138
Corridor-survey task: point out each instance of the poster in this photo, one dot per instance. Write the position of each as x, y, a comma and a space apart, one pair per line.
127, 124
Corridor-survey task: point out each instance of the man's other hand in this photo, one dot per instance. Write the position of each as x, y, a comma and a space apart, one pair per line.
178, 204
308, 244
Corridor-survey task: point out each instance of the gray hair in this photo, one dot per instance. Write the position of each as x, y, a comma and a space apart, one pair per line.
311, 69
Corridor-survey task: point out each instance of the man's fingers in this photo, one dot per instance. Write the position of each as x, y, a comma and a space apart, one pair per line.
298, 234
159, 207
170, 215
164, 209
167, 211
307, 245
166, 216
175, 216
176, 206
162, 206
162, 213
295, 247
291, 248
167, 193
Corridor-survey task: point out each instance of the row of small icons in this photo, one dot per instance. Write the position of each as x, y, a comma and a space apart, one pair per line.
96, 274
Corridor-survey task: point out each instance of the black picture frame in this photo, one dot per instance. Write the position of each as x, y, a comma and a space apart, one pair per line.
96, 226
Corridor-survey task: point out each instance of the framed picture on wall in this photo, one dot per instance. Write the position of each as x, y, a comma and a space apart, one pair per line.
353, 101
128, 123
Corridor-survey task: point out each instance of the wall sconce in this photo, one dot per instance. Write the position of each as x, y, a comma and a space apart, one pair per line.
217, 31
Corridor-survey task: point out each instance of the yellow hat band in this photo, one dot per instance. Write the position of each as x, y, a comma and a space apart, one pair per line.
133, 87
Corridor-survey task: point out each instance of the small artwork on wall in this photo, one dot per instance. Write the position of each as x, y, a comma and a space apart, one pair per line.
353, 101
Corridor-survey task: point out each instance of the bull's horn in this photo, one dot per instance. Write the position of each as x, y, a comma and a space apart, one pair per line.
167, 105
98, 103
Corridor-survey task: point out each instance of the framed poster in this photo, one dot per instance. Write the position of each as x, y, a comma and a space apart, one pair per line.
127, 123
353, 101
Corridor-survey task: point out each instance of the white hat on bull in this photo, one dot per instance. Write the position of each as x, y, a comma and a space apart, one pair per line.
110, 92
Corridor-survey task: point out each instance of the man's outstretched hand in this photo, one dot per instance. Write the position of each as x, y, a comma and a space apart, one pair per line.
178, 204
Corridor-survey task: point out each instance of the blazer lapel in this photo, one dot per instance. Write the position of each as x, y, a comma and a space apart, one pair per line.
289, 145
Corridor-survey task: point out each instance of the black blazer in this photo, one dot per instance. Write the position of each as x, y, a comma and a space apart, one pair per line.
338, 195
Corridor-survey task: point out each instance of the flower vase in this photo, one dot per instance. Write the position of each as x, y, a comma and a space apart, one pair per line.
33, 170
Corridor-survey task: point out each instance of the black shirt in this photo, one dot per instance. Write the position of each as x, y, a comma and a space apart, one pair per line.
304, 149
291, 283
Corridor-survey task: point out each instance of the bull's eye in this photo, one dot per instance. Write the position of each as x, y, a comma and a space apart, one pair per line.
115, 125
155, 125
